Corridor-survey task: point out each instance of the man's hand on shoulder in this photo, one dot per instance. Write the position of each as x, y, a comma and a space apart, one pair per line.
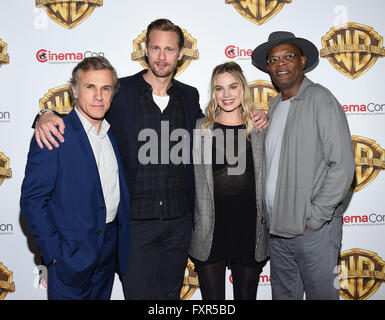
47, 127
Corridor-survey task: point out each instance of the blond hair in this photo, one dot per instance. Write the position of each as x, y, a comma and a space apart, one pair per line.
212, 109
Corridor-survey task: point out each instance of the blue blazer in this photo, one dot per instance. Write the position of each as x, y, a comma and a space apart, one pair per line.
124, 119
62, 200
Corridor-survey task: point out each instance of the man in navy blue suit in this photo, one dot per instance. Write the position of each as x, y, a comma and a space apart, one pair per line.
161, 192
75, 198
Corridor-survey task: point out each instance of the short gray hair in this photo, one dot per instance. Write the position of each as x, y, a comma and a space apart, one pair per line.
93, 63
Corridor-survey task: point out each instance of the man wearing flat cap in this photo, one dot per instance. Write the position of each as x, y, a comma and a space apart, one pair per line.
309, 168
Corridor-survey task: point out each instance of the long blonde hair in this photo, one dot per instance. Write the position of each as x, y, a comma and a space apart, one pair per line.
212, 109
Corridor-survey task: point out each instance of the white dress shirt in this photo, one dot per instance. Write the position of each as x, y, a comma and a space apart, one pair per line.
106, 163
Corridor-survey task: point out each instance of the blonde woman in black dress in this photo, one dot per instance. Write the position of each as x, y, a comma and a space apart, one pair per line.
229, 222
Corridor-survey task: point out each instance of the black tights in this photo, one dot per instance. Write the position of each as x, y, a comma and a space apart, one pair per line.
212, 281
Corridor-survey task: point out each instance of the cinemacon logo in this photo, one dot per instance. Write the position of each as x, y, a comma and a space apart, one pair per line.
365, 219
44, 55
5, 116
232, 52
263, 279
363, 108
6, 228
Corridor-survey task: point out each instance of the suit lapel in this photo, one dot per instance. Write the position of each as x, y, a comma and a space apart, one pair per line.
117, 155
257, 148
85, 147
187, 109
208, 168
257, 145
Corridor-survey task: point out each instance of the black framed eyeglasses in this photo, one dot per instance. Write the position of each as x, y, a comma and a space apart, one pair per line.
287, 57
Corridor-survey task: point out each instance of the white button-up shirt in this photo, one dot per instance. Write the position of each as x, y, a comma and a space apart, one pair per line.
106, 163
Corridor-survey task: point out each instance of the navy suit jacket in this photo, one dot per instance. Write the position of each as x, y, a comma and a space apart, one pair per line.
124, 119
62, 200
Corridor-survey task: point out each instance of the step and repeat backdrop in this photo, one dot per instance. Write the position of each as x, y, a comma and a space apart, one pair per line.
42, 40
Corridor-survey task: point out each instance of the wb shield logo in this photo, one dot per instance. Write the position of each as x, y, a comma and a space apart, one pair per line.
190, 281
370, 160
352, 48
4, 57
190, 51
6, 283
68, 13
5, 171
262, 93
58, 99
361, 274
258, 11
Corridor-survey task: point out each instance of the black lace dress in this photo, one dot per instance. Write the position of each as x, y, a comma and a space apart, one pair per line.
234, 198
